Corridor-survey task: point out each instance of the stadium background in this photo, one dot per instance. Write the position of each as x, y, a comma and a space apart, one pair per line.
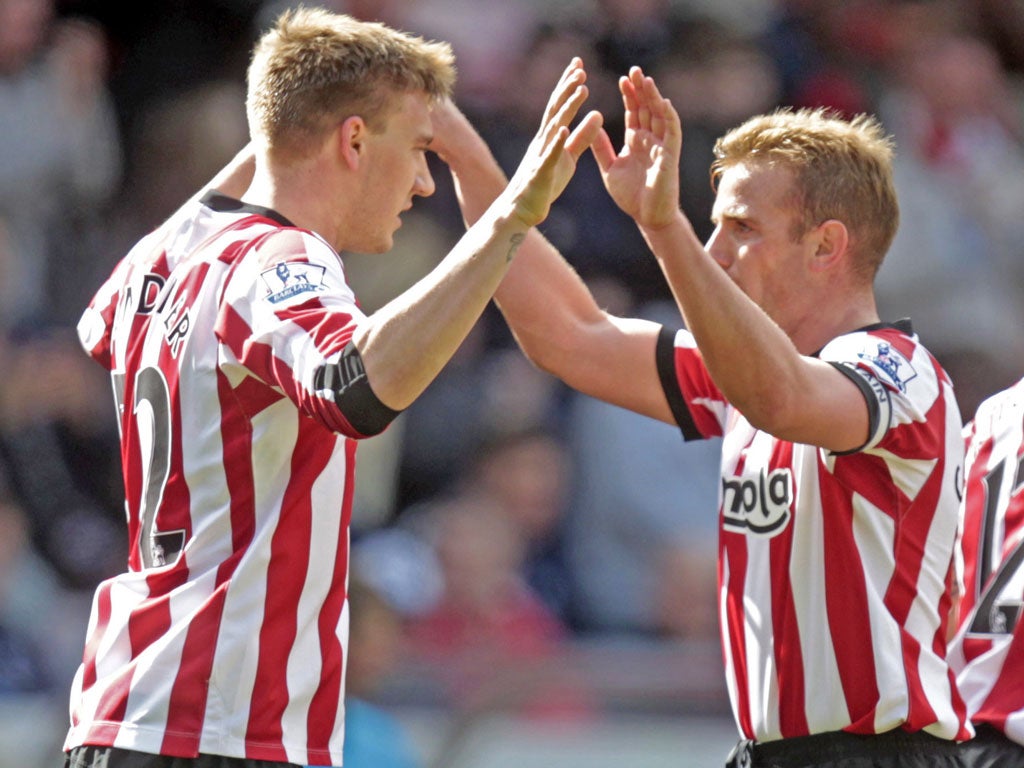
541, 566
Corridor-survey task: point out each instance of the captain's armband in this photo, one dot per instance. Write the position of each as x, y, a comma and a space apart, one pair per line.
352, 393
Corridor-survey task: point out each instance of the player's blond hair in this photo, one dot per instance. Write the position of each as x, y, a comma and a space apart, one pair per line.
842, 169
314, 69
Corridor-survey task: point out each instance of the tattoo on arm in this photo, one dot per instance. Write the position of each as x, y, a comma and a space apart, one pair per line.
517, 240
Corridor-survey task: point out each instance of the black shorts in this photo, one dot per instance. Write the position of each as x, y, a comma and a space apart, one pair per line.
991, 749
838, 749
112, 757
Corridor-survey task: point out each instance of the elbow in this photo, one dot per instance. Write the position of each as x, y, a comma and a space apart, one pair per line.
771, 409
548, 351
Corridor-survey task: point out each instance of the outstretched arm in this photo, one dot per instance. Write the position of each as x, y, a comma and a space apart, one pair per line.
406, 342
550, 310
750, 358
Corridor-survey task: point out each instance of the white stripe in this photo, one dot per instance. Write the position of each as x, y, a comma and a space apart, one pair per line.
824, 706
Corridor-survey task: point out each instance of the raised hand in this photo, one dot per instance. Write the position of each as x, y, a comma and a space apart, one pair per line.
643, 178
550, 160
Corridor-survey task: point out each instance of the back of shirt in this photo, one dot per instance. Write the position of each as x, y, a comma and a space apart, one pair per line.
988, 650
227, 633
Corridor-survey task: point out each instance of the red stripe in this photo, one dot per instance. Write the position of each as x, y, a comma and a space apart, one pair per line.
788, 651
331, 331
94, 641
188, 699
1006, 697
911, 540
323, 710
286, 575
846, 595
259, 358
732, 549
735, 554
148, 622
974, 516
234, 331
253, 395
695, 384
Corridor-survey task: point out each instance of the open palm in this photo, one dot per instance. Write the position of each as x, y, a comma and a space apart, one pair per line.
550, 160
643, 178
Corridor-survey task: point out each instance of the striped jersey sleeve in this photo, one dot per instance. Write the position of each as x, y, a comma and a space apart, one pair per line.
988, 649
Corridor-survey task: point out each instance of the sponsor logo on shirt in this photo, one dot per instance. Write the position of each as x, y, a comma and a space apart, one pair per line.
758, 505
891, 365
291, 278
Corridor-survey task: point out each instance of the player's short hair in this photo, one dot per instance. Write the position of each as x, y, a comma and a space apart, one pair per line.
313, 69
842, 170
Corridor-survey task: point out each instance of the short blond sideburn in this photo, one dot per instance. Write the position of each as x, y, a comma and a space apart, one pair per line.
842, 169
313, 69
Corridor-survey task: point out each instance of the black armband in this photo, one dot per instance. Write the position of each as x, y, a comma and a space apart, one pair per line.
878, 401
352, 393
665, 361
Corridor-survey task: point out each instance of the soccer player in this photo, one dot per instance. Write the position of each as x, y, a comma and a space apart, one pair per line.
244, 373
987, 652
842, 445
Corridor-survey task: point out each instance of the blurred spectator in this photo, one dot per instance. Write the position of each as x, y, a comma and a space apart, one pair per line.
181, 141
634, 33
60, 156
443, 427
584, 223
716, 78
482, 391
38, 651
490, 639
527, 473
23, 664
641, 534
486, 36
827, 51
160, 50
59, 442
374, 738
957, 262
1003, 24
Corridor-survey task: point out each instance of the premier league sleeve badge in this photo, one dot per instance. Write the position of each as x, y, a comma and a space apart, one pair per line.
288, 279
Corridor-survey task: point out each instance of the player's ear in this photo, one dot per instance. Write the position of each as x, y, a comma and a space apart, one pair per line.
352, 140
832, 239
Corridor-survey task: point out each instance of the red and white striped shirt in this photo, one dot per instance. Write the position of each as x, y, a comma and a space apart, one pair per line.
833, 567
988, 650
228, 632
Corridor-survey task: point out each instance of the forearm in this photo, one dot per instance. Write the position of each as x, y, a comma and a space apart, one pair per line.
750, 358
406, 342
541, 296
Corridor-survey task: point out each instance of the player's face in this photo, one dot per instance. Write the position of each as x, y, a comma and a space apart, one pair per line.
396, 171
753, 239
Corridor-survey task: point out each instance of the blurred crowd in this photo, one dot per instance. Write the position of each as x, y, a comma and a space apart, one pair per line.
502, 516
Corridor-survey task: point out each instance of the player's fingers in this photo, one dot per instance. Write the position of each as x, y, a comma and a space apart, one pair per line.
629, 103
572, 77
572, 105
551, 154
673, 126
604, 152
643, 110
585, 134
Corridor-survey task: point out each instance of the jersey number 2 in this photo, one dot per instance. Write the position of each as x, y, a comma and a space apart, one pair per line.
151, 409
